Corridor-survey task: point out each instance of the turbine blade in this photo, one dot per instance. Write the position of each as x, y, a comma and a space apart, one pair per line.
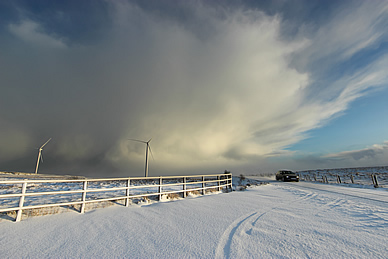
151, 152
45, 143
141, 141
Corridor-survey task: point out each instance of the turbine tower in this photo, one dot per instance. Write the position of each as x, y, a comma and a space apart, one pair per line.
148, 147
40, 157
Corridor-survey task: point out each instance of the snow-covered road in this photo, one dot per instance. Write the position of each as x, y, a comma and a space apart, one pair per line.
286, 220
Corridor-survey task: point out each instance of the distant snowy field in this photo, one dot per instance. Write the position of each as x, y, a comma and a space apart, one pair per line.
360, 175
282, 220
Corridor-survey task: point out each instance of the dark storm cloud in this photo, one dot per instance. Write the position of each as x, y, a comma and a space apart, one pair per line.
215, 85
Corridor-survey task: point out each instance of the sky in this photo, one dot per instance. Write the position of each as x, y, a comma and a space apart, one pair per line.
245, 86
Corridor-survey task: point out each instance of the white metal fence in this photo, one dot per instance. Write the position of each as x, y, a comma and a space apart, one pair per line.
33, 194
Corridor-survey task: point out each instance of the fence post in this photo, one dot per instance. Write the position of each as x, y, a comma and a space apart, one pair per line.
21, 202
315, 177
374, 180
184, 187
230, 182
160, 187
338, 179
218, 183
127, 192
352, 178
203, 185
82, 210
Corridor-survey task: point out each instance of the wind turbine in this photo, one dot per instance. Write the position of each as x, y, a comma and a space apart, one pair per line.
40, 157
148, 147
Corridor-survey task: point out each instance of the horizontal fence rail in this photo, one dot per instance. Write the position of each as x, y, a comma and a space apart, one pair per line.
22, 195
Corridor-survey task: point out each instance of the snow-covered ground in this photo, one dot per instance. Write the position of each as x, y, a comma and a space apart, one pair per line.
278, 220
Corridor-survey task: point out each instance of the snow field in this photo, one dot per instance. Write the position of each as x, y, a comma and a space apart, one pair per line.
267, 221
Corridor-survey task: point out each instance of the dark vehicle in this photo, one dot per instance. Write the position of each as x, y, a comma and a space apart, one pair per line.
287, 176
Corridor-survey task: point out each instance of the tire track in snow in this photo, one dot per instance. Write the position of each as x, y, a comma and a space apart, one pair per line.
377, 197
224, 245
223, 248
